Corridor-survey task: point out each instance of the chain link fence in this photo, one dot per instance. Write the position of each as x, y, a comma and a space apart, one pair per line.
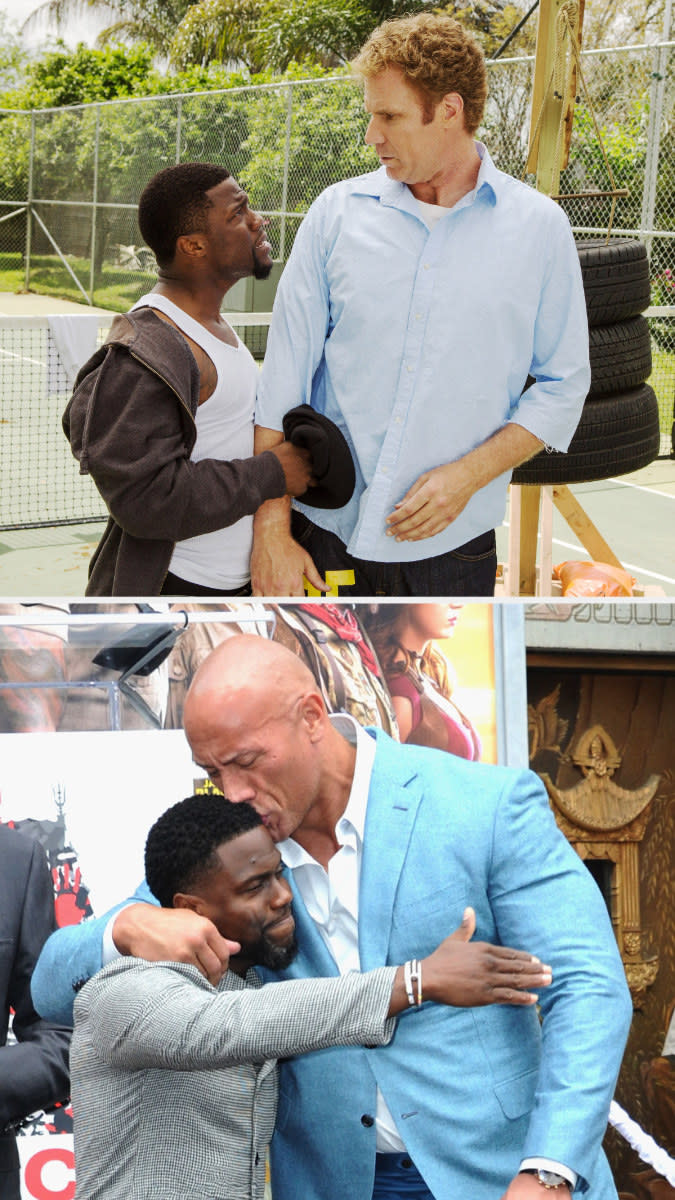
70, 180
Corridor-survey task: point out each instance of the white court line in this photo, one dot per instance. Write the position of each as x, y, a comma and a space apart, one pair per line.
37, 362
639, 571
641, 487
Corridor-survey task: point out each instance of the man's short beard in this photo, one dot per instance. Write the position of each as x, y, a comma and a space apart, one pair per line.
267, 954
262, 270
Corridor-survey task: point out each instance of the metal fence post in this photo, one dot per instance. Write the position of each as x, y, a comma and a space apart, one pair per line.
287, 162
179, 124
657, 95
94, 197
29, 204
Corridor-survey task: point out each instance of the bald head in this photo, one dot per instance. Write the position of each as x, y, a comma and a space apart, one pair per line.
245, 668
257, 725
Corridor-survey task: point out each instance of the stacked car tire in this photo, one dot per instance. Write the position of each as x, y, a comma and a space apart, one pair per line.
619, 427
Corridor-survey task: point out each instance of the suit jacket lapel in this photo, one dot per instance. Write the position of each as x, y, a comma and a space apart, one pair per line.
393, 800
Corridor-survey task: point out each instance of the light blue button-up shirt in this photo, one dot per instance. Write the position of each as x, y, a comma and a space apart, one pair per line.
418, 343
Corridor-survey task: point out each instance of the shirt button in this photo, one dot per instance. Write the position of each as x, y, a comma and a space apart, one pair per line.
427, 266
367, 1120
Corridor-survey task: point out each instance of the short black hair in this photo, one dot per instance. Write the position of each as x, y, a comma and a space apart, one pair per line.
174, 202
181, 846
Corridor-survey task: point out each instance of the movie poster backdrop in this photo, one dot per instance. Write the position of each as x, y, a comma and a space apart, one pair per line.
92, 750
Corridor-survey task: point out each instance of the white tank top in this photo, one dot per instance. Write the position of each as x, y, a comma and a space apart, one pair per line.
224, 430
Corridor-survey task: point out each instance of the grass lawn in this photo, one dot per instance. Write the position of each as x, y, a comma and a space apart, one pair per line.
114, 288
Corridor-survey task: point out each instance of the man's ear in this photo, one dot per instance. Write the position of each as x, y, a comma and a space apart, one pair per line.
184, 900
313, 711
453, 106
191, 245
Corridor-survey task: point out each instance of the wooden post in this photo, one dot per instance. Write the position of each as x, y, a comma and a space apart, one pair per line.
530, 498
549, 146
549, 150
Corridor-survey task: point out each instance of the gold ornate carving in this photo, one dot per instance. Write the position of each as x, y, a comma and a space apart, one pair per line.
604, 821
640, 976
545, 726
597, 803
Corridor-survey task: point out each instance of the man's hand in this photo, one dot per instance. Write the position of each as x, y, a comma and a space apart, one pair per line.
296, 465
468, 974
437, 498
279, 563
527, 1187
432, 503
173, 935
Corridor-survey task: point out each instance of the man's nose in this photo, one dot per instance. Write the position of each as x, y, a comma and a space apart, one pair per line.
234, 789
281, 893
373, 134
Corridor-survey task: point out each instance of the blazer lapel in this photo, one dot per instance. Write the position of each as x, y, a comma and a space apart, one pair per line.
393, 800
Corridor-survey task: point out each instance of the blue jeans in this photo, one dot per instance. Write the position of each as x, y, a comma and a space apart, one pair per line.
397, 1178
469, 570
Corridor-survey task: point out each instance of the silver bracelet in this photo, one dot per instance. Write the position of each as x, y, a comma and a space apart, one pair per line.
412, 974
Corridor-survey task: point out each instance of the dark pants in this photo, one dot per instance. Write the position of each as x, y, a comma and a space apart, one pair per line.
175, 586
469, 570
397, 1178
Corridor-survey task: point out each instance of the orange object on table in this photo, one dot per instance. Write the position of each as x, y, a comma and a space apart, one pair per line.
593, 579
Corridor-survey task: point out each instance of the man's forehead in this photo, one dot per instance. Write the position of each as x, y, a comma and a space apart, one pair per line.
227, 192
221, 742
249, 854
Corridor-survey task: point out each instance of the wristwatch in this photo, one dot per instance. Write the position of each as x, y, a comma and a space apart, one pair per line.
548, 1179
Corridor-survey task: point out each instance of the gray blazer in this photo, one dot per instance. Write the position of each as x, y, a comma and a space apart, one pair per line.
34, 1072
174, 1084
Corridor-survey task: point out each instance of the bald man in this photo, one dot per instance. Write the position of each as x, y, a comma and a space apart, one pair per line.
386, 845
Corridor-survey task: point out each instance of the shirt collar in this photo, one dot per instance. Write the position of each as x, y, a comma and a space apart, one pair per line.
398, 195
353, 819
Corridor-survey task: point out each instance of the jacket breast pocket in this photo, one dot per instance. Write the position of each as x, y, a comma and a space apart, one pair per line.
516, 1095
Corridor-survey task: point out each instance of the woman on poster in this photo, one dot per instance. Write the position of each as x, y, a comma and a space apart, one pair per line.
419, 676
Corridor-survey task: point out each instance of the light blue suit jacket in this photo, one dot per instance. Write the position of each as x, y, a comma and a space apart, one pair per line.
472, 1091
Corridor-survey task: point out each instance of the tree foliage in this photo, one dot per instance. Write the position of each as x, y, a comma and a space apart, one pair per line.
79, 76
328, 32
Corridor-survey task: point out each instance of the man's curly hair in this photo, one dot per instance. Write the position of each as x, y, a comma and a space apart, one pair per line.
180, 851
175, 202
436, 54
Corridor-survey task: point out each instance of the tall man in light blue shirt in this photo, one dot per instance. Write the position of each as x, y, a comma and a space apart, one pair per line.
415, 304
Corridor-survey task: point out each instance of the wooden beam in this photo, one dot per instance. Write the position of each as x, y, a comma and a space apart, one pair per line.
549, 146
530, 497
568, 506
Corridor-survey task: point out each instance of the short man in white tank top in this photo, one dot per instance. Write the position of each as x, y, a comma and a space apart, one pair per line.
218, 560
167, 432
189, 294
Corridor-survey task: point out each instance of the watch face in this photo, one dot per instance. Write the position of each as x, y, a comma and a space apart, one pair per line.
551, 1178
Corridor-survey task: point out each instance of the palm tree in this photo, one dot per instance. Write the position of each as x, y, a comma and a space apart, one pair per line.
222, 31
151, 21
